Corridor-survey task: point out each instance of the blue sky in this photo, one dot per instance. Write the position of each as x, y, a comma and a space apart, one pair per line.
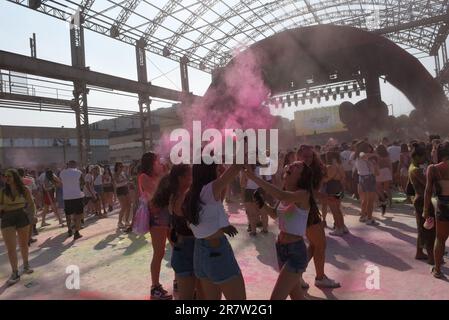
106, 55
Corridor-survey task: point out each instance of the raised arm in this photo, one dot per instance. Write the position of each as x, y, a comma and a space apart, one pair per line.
277, 193
221, 183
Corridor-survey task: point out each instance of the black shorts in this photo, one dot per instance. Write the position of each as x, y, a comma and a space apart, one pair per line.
16, 218
74, 206
443, 208
122, 191
108, 189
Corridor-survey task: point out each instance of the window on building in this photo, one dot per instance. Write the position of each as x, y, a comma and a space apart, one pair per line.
22, 142
38, 142
6, 142
99, 142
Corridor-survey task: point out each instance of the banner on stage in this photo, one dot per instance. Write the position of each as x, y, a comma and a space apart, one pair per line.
318, 120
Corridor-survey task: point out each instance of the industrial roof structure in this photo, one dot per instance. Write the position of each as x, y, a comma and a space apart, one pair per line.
204, 33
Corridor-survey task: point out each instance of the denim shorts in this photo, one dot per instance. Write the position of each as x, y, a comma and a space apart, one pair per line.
182, 256
217, 264
293, 256
98, 189
368, 183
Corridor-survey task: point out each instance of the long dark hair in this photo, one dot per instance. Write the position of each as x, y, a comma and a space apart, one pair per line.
318, 170
287, 156
362, 146
147, 163
443, 151
117, 164
49, 175
107, 169
162, 194
331, 155
382, 151
17, 181
202, 174
177, 171
418, 152
306, 182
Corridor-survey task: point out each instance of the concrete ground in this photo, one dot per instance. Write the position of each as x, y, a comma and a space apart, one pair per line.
114, 265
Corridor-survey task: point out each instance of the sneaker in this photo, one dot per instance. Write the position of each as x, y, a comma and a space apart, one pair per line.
363, 219
13, 279
70, 233
337, 233
44, 225
327, 283
120, 225
158, 293
110, 208
304, 284
35, 232
77, 235
383, 208
436, 274
175, 286
27, 270
372, 222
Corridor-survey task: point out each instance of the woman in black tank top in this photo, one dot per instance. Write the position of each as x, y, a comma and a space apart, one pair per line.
181, 236
438, 178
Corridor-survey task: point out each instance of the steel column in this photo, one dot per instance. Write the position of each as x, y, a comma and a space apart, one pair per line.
437, 64
80, 92
444, 51
144, 99
184, 74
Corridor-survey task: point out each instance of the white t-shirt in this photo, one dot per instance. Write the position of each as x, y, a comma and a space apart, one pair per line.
98, 180
250, 184
70, 179
394, 152
212, 216
363, 167
88, 181
346, 160
41, 178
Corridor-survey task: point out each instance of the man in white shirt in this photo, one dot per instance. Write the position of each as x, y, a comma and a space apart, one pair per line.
394, 151
347, 164
71, 179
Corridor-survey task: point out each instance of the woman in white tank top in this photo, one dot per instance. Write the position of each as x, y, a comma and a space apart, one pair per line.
295, 202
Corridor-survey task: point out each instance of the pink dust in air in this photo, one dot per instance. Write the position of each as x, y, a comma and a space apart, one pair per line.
233, 101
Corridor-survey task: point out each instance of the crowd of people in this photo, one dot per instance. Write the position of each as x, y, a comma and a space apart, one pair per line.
186, 208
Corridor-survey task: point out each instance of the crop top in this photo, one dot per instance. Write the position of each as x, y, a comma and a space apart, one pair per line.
212, 215
292, 220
